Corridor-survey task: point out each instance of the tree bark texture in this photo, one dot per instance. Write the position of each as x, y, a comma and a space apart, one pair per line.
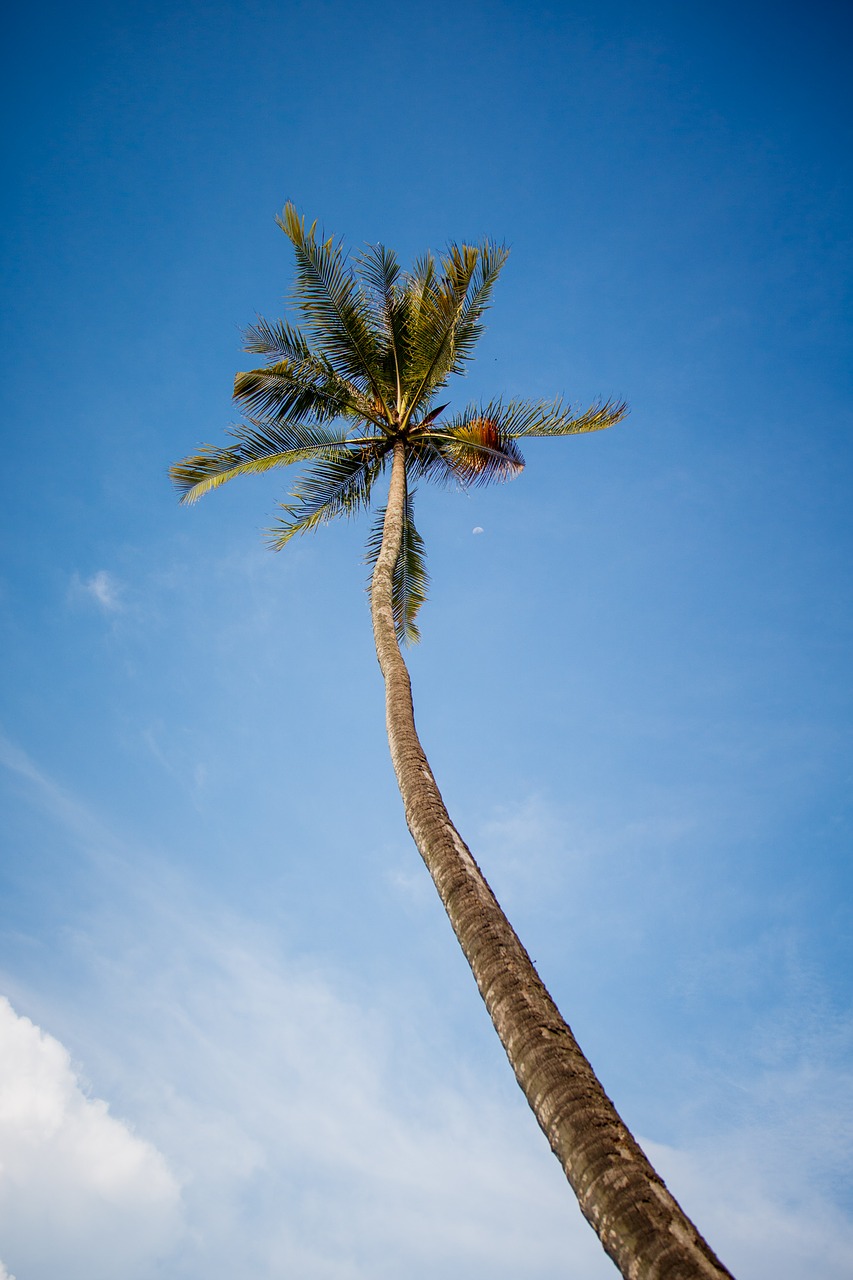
639, 1223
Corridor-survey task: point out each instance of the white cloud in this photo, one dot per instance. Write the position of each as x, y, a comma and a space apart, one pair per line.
327, 1133
315, 1142
77, 1187
103, 588
310, 1137
324, 1136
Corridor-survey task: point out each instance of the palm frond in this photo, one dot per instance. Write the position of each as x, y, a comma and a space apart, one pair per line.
426, 461
276, 339
338, 485
447, 313
543, 418
296, 381
335, 307
309, 389
260, 447
438, 303
410, 580
490, 263
475, 447
477, 454
421, 288
379, 269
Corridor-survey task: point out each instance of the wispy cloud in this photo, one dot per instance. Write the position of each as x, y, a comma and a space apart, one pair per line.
102, 587
78, 820
309, 1139
308, 1136
318, 1131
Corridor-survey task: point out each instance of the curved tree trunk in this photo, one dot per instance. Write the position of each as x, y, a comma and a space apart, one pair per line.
640, 1225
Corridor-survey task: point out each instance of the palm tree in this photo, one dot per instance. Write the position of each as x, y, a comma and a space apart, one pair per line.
350, 394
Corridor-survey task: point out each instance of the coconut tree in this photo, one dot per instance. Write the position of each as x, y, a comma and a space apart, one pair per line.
352, 395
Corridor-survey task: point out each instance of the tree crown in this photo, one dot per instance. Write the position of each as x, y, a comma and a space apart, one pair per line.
376, 348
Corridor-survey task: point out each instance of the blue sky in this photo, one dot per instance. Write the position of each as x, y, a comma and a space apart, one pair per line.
240, 1038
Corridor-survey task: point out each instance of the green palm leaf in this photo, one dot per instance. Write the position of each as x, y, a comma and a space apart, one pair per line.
446, 320
339, 485
304, 390
379, 269
421, 288
410, 580
491, 260
554, 419
336, 309
440, 301
260, 447
276, 339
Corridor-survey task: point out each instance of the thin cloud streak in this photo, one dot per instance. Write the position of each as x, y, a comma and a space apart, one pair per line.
102, 587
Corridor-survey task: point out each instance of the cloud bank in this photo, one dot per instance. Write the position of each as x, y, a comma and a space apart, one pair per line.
316, 1139
78, 1189
289, 1124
